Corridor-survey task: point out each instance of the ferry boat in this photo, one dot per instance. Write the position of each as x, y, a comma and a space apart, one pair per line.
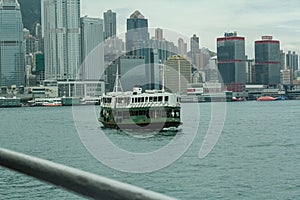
149, 110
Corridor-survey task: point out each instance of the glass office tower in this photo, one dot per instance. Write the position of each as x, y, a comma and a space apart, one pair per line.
12, 70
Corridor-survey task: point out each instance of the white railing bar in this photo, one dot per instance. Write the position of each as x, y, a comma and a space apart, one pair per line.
78, 181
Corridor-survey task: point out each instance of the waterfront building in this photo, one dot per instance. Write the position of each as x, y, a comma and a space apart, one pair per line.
177, 74
292, 60
12, 67
231, 59
83, 89
110, 24
267, 61
61, 21
286, 76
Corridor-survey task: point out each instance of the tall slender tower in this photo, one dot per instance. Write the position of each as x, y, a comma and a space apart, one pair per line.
292, 60
110, 24
195, 49
12, 69
61, 21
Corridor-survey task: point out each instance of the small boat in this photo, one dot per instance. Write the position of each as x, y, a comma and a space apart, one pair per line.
149, 110
279, 98
266, 98
52, 104
238, 99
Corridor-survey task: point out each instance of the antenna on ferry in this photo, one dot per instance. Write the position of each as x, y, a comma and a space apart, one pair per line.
163, 77
118, 86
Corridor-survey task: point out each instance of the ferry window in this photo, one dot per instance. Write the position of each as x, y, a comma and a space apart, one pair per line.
166, 98
150, 99
146, 99
160, 98
155, 99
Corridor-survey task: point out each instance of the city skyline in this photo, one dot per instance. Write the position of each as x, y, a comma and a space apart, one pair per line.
209, 21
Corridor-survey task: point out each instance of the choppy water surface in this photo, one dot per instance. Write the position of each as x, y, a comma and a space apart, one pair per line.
256, 157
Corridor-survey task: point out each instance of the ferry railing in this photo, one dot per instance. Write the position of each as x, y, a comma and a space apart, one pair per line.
81, 182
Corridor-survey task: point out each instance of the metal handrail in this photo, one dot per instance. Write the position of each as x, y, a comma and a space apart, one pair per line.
78, 181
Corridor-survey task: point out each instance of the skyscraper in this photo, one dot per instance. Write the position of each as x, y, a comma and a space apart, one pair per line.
182, 47
12, 69
137, 34
195, 49
91, 36
231, 58
267, 61
39, 37
159, 34
61, 21
110, 24
178, 73
292, 60
138, 43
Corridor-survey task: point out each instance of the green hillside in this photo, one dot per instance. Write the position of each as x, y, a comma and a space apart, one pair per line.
31, 13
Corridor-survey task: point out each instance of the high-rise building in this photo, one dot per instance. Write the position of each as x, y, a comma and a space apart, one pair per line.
39, 67
138, 42
182, 47
177, 74
39, 37
267, 61
159, 34
195, 50
61, 21
137, 34
231, 58
292, 60
282, 60
12, 68
110, 24
30, 42
129, 67
91, 37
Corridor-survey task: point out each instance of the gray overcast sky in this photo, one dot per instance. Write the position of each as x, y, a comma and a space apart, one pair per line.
209, 19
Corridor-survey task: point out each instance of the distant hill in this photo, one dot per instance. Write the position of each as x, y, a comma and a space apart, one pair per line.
31, 13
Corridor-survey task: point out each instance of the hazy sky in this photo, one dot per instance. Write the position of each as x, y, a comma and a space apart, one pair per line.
209, 19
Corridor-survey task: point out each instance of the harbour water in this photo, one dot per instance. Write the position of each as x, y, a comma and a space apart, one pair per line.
256, 157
